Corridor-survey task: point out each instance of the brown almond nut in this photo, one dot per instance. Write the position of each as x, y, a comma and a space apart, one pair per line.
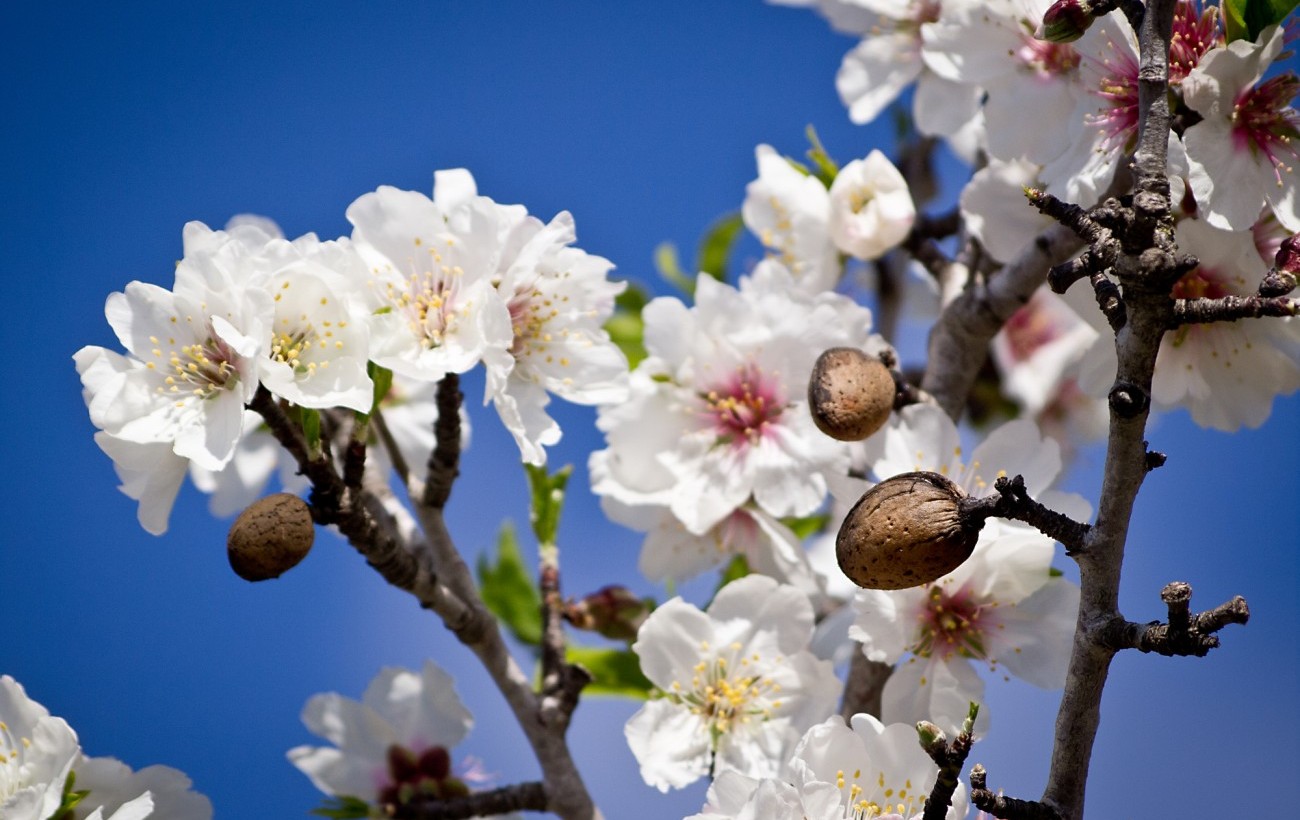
850, 394
906, 531
270, 537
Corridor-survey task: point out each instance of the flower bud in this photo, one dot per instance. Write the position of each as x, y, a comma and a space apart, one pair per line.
906, 531
1065, 21
1286, 268
850, 394
613, 611
270, 537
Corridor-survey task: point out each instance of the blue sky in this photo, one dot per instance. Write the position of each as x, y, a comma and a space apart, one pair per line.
124, 121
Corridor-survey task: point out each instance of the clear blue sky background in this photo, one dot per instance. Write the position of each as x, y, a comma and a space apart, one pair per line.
122, 121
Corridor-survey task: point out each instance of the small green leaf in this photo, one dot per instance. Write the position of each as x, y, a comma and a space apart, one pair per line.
344, 808
626, 328
383, 310
717, 243
311, 430
614, 672
1245, 19
70, 799
807, 526
669, 265
1053, 572
827, 168
508, 589
383, 380
547, 500
737, 567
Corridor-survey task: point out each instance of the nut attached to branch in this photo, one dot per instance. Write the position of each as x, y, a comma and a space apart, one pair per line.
270, 537
906, 531
850, 394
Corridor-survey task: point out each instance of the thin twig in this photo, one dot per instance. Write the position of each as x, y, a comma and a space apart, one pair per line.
1232, 308
519, 797
1007, 808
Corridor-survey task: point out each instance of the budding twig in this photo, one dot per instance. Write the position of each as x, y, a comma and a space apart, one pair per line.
950, 758
1184, 634
1008, 808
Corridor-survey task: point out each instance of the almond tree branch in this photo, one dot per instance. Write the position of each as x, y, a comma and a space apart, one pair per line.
950, 758
1231, 308
530, 796
1146, 270
1183, 634
441, 582
865, 685
1008, 808
960, 339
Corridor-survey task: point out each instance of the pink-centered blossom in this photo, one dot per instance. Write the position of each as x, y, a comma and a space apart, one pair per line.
1243, 152
717, 416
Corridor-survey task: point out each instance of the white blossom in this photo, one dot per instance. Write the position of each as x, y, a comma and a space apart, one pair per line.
871, 207
1225, 373
734, 796
789, 211
1002, 607
737, 684
36, 754
1036, 347
1242, 152
718, 411
393, 744
113, 786
870, 771
435, 309
991, 46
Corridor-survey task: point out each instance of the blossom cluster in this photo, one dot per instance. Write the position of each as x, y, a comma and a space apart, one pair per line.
44, 773
423, 288
978, 66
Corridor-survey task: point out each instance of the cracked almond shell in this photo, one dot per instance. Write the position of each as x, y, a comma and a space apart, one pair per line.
850, 394
270, 537
904, 532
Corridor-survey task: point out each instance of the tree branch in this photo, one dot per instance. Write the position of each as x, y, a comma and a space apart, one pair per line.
1013, 501
865, 685
1008, 808
441, 582
1184, 634
1231, 308
950, 758
444, 461
519, 797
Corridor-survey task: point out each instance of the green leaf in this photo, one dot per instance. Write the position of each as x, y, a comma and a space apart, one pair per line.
1053, 572
383, 379
807, 526
70, 799
547, 500
508, 590
717, 243
343, 808
626, 328
614, 672
737, 567
311, 430
669, 265
1245, 19
827, 168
